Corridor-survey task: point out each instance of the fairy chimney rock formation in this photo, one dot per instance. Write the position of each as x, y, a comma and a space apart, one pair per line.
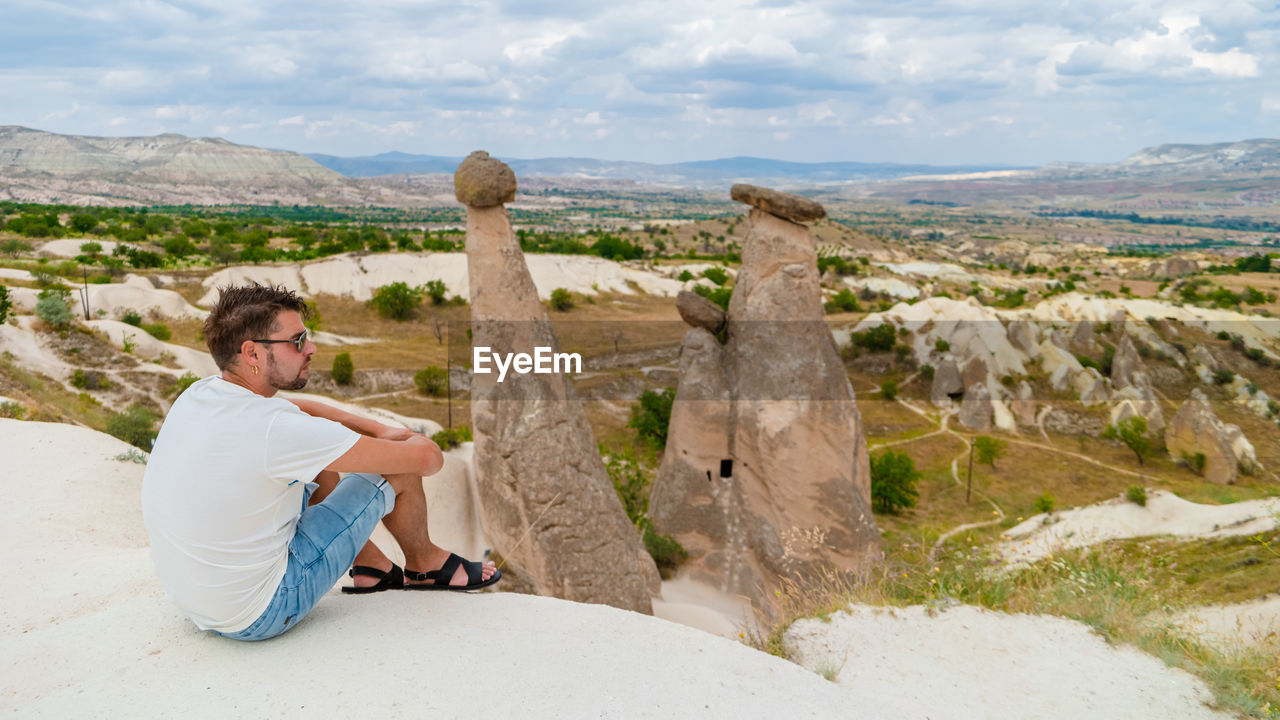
547, 503
765, 476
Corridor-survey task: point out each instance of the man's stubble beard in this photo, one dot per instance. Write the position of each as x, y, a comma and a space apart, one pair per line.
279, 381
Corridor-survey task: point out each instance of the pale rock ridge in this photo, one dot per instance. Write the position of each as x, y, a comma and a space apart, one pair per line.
765, 474
547, 502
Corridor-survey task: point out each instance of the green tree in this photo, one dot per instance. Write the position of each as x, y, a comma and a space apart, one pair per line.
5, 304
893, 482
986, 449
1131, 431
13, 247
397, 300
51, 307
651, 416
343, 369
561, 300
83, 223
432, 381
889, 389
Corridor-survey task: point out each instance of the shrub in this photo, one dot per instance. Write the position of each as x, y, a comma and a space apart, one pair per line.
436, 291
51, 307
134, 426
452, 437
1223, 376
397, 300
1044, 503
5, 304
561, 300
1136, 494
843, 301
11, 410
716, 275
343, 369
893, 481
432, 381
159, 331
182, 383
927, 371
880, 338
684, 276
719, 296
651, 416
889, 389
987, 449
90, 380
666, 552
1195, 461
1131, 431
131, 317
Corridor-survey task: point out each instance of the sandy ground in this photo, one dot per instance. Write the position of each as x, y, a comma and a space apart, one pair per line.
965, 662
1164, 514
1249, 623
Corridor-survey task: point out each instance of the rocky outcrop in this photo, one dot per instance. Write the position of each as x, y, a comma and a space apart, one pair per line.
1138, 400
765, 476
1023, 337
1196, 431
946, 382
1023, 405
1083, 337
1091, 386
974, 372
700, 312
976, 412
547, 503
1125, 363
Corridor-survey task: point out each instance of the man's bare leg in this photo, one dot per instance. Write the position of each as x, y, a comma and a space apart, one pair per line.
408, 525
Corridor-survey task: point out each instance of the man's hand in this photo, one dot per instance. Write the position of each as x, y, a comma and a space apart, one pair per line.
387, 432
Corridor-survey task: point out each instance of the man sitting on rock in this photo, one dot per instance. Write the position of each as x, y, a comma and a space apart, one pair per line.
250, 523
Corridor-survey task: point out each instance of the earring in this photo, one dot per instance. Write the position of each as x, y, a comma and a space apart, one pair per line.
255, 369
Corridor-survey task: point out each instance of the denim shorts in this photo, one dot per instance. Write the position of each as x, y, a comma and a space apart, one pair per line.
325, 542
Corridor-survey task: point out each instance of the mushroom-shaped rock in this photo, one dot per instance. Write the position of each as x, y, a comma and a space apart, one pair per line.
784, 205
700, 312
482, 181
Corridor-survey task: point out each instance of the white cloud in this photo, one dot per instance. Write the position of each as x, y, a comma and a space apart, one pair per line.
293, 120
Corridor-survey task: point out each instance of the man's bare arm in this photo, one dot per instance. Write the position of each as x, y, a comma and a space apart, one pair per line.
364, 426
416, 455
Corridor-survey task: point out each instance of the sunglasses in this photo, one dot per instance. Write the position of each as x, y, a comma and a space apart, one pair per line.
299, 341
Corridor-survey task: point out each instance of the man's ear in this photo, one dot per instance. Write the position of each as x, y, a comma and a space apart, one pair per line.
249, 352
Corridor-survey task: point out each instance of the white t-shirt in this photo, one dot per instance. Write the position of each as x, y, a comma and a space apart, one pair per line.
222, 493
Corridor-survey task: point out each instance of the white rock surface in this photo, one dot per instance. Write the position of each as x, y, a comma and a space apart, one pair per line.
89, 632
966, 662
1164, 514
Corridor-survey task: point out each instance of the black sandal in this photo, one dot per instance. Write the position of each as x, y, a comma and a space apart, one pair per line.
392, 579
441, 577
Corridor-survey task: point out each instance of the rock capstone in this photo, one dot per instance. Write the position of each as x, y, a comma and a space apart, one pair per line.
784, 205
482, 181
700, 312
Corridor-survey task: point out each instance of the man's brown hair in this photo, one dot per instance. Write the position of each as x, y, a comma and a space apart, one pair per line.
245, 313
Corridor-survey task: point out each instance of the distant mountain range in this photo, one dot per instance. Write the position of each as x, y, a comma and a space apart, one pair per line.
37, 166
699, 174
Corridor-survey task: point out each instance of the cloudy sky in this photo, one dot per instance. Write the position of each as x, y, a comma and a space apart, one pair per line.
936, 81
